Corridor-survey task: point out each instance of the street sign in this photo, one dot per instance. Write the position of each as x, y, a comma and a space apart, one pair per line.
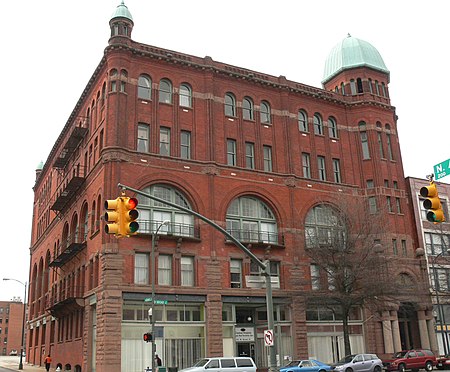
268, 337
258, 281
157, 302
442, 169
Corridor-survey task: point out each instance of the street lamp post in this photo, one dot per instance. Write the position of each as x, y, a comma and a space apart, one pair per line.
442, 322
152, 309
23, 320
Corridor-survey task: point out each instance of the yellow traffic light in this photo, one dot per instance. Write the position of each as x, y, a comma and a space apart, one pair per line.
432, 203
128, 224
113, 216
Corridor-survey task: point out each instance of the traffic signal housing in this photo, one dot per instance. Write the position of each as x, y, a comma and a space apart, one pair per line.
128, 223
121, 215
432, 203
112, 216
147, 337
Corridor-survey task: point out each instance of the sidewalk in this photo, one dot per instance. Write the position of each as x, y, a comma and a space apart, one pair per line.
12, 363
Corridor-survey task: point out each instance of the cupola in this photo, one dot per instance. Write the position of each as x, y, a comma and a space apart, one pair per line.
121, 23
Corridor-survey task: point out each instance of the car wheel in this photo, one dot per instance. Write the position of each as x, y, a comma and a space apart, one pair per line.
401, 368
321, 370
428, 366
349, 370
377, 369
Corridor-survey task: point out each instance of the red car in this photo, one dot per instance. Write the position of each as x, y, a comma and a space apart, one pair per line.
443, 362
412, 360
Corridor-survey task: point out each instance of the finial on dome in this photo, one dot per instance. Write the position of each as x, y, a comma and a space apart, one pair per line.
348, 34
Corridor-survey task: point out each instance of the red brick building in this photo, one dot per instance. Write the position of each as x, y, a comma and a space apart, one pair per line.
11, 320
252, 152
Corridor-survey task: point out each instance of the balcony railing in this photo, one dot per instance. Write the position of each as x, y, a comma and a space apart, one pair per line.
68, 248
76, 136
64, 301
68, 187
172, 229
257, 237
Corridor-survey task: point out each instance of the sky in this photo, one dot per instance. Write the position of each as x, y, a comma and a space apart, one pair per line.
51, 48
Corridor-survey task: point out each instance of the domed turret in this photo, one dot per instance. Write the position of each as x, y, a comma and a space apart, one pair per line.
355, 66
121, 22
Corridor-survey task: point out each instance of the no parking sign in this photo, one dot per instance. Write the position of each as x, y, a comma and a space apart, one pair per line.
268, 337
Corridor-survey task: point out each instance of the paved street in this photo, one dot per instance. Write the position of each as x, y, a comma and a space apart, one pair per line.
11, 363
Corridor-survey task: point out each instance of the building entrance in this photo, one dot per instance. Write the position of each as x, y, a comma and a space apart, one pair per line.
246, 349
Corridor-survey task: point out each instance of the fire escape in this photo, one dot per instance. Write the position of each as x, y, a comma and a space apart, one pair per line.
72, 176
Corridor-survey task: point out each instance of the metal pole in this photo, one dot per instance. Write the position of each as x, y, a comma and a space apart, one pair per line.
265, 268
153, 320
441, 316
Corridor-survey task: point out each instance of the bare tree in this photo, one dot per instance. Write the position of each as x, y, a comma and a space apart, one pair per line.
343, 240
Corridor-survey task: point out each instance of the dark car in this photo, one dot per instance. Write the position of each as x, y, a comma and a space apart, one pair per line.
308, 365
443, 362
411, 359
359, 363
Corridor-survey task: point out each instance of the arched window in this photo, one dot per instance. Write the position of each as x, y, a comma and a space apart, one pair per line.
113, 77
185, 95
123, 80
343, 89
84, 222
352, 87
318, 124
302, 121
370, 85
265, 113
165, 91
359, 85
144, 87
364, 140
250, 220
230, 105
152, 213
324, 227
389, 142
247, 108
332, 128
93, 217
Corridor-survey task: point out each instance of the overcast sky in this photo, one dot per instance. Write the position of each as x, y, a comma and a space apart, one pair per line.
51, 48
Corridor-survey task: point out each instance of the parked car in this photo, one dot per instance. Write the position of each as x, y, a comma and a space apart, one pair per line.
310, 365
229, 364
443, 362
13, 352
411, 359
359, 363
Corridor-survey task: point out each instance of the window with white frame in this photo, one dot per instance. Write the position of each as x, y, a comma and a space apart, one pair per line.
318, 124
144, 87
306, 164
364, 140
372, 205
143, 139
332, 128
302, 121
247, 109
249, 219
187, 271
141, 268
165, 91
321, 168
185, 144
164, 141
185, 95
152, 213
230, 105
267, 150
315, 277
337, 171
324, 227
235, 273
265, 112
249, 155
164, 269
436, 244
231, 152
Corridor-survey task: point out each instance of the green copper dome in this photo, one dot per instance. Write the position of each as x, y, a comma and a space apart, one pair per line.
40, 166
122, 12
350, 53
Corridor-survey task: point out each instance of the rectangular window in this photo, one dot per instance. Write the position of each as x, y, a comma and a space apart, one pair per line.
141, 268
187, 271
394, 247
404, 252
231, 152
267, 158
372, 205
185, 143
389, 146
365, 145
321, 168
164, 141
249, 155
436, 244
370, 184
235, 273
315, 277
399, 206
164, 269
380, 144
389, 204
337, 171
306, 163
143, 139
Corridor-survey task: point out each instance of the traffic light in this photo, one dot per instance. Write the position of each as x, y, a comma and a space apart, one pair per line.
432, 203
128, 223
112, 216
147, 337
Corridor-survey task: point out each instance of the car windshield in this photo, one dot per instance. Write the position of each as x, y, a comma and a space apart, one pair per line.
294, 363
347, 359
201, 363
400, 354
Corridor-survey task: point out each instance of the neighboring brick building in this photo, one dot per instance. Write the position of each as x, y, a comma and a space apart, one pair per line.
258, 154
435, 241
11, 320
